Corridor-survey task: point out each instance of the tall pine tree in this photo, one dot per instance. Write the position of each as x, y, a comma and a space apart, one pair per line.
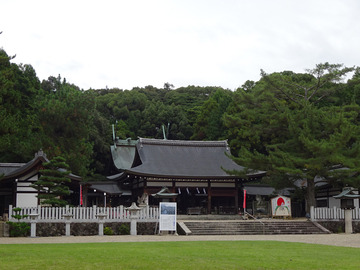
287, 125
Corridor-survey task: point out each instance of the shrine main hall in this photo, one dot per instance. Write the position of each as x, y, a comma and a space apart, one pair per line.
195, 174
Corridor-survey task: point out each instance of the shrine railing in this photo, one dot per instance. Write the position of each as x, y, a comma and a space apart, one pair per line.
85, 214
335, 213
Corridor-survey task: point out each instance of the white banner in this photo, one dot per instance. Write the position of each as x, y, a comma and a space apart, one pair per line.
167, 216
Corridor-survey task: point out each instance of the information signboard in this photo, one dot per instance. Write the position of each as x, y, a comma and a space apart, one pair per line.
167, 216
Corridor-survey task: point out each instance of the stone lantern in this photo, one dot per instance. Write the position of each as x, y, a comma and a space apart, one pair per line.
67, 218
134, 211
101, 217
347, 197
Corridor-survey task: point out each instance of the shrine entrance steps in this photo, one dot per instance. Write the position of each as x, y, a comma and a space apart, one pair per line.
250, 227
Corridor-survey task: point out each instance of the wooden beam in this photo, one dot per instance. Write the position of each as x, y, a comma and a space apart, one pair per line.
209, 197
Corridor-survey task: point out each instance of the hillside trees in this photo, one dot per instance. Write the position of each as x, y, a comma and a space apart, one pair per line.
209, 124
19, 88
142, 111
66, 115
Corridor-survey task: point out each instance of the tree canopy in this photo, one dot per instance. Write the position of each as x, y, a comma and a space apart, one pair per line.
287, 125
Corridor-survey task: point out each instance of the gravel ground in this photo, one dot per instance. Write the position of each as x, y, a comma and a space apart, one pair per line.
345, 240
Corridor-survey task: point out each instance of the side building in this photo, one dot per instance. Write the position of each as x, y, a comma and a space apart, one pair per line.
15, 181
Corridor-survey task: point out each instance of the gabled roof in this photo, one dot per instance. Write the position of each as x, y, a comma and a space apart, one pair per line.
347, 193
165, 194
110, 188
8, 168
14, 170
184, 159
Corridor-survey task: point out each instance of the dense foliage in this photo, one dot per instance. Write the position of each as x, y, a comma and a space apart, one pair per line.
295, 126
299, 128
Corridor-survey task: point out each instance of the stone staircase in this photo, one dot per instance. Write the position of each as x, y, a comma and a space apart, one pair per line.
249, 227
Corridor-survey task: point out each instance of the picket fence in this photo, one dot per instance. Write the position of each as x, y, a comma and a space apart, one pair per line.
84, 214
335, 213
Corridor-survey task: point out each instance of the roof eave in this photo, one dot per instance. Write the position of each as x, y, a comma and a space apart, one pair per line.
28, 166
202, 177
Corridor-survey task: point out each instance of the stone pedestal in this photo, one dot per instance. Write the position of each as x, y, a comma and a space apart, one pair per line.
134, 211
133, 225
348, 221
67, 217
33, 221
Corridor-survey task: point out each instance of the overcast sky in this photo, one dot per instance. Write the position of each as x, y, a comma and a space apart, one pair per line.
131, 43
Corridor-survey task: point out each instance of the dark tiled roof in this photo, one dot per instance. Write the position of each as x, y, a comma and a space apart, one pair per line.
110, 188
8, 168
184, 159
14, 170
23, 168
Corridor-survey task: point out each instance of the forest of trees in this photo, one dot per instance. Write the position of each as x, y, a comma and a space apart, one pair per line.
295, 126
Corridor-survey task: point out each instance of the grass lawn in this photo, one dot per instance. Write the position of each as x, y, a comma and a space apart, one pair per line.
179, 255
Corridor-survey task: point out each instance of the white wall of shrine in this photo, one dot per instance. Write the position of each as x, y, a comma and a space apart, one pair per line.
25, 194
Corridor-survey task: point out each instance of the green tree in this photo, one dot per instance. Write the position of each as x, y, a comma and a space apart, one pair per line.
287, 126
52, 183
19, 126
209, 124
66, 115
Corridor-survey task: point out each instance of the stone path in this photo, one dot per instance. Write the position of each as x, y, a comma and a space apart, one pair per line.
345, 240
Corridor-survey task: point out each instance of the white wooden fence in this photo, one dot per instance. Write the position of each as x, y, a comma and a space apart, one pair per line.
85, 214
335, 213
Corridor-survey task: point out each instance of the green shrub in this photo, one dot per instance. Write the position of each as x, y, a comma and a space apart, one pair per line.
108, 231
124, 229
18, 229
17, 214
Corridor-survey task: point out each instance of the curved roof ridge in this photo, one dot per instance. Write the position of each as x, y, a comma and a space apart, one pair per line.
40, 156
183, 142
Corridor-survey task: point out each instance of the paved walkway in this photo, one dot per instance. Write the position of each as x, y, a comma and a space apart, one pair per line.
345, 240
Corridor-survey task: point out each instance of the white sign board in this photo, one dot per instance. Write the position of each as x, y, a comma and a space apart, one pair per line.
281, 206
167, 216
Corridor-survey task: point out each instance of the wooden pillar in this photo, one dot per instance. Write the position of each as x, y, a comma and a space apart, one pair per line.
85, 190
236, 196
14, 193
145, 190
173, 190
145, 183
209, 198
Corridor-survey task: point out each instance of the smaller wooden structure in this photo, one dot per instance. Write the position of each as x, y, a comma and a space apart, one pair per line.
16, 180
